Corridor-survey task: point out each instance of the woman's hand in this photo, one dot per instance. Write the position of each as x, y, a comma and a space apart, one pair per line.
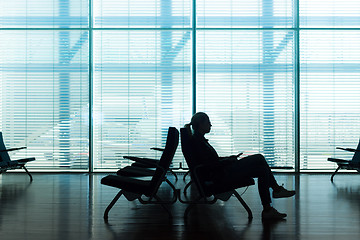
236, 156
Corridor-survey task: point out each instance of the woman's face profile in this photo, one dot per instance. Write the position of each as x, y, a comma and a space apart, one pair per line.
206, 125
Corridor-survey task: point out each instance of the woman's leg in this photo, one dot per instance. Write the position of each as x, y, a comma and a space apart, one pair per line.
254, 166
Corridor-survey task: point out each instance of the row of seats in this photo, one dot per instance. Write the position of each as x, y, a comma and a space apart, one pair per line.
208, 192
146, 190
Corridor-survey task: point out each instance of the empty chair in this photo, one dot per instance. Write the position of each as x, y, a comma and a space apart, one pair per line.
7, 164
353, 164
137, 188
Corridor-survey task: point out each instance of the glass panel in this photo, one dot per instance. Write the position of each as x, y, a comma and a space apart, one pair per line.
330, 87
329, 13
245, 84
44, 96
142, 14
44, 13
142, 86
245, 13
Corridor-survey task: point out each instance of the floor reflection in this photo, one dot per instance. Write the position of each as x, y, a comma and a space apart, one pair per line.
71, 206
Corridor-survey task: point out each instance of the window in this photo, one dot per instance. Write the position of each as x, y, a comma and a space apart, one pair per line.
84, 82
44, 81
142, 77
330, 98
142, 85
246, 86
245, 76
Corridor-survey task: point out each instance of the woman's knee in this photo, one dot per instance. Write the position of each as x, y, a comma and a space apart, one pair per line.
259, 155
260, 158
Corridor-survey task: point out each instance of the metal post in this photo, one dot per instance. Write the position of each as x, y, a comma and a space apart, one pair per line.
268, 84
64, 87
297, 88
193, 27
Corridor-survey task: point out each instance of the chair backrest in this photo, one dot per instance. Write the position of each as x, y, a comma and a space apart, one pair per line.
188, 152
356, 158
172, 142
4, 156
186, 147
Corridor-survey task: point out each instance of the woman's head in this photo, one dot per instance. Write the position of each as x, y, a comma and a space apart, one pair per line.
200, 122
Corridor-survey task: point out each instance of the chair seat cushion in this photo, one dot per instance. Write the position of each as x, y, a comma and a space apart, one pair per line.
13, 163
127, 183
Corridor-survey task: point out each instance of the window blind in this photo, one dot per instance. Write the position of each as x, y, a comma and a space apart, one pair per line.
245, 13
329, 13
142, 86
141, 56
142, 14
44, 14
44, 76
142, 78
245, 84
44, 96
330, 98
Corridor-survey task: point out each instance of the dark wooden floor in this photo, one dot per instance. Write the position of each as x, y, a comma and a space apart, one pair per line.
71, 206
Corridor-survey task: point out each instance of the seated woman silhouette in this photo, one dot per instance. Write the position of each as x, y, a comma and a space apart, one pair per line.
254, 166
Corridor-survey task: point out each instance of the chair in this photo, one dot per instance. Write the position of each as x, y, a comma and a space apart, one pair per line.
137, 188
214, 191
353, 164
7, 164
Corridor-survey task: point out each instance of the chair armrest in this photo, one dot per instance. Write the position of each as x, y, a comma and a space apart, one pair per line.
279, 167
147, 161
348, 149
157, 149
25, 160
12, 149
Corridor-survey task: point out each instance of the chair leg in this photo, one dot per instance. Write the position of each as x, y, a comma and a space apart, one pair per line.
332, 176
106, 213
237, 195
31, 178
170, 184
174, 190
173, 173
187, 186
185, 175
